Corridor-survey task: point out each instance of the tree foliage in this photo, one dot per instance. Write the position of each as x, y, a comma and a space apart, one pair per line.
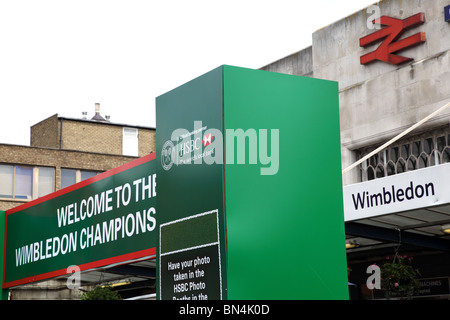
101, 293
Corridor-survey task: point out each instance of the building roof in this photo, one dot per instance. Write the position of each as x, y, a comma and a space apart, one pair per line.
97, 120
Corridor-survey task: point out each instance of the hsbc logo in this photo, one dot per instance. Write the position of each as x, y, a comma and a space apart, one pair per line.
205, 145
207, 139
389, 36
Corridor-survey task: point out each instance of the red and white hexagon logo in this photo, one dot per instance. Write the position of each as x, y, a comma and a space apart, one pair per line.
207, 139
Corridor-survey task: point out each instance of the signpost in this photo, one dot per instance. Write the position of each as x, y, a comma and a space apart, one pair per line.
106, 219
422, 188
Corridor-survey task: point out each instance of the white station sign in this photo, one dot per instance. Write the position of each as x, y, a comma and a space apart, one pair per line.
407, 191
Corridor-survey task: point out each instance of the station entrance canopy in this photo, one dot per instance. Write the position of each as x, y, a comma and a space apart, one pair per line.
411, 207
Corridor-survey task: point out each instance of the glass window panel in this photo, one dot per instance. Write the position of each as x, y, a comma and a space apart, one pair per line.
87, 174
401, 167
383, 159
441, 143
23, 182
6, 181
446, 155
370, 173
68, 177
434, 158
428, 145
374, 160
46, 181
416, 148
411, 164
394, 154
130, 142
380, 172
423, 161
405, 151
390, 168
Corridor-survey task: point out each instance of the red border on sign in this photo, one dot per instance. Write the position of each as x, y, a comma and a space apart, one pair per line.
86, 266
101, 176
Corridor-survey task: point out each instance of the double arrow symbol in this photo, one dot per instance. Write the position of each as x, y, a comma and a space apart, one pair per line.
390, 45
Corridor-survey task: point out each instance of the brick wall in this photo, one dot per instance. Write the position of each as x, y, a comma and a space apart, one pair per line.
46, 133
88, 136
91, 137
147, 141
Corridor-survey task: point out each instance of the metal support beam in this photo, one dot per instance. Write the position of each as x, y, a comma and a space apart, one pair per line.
392, 235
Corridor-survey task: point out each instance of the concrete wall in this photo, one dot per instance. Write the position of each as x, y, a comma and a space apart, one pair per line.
380, 100
299, 64
55, 289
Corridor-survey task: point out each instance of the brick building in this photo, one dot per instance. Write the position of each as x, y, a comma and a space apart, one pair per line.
64, 151
96, 135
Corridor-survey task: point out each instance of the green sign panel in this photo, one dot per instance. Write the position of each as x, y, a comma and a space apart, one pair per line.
190, 196
106, 219
284, 209
242, 144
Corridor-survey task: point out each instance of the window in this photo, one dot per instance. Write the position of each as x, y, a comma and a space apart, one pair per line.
16, 182
25, 182
6, 181
68, 177
130, 142
23, 186
72, 176
416, 152
46, 181
87, 174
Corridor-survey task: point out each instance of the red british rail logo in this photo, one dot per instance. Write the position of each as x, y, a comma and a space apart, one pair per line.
390, 34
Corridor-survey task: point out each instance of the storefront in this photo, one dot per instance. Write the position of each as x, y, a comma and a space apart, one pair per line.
404, 215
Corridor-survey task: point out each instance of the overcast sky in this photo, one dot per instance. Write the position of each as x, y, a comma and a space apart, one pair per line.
60, 56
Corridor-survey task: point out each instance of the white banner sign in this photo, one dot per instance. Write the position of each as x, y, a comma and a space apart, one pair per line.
410, 190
